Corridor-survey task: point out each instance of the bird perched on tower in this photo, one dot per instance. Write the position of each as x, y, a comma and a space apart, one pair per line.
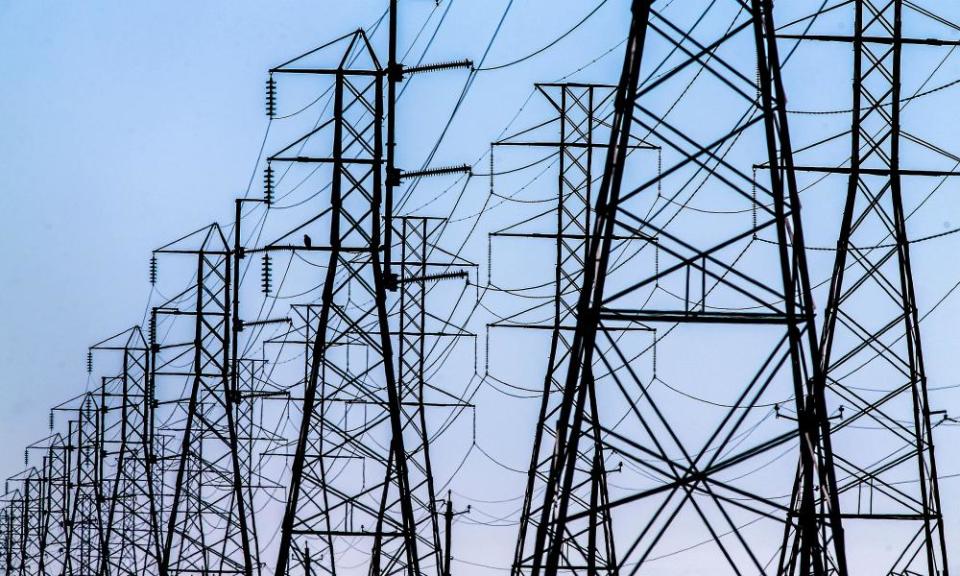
307, 242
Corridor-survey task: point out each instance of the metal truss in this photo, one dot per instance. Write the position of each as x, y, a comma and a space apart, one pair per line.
11, 523
84, 529
57, 471
7, 560
361, 491
205, 508
25, 523
871, 351
579, 121
345, 483
412, 343
695, 476
418, 333
33, 516
130, 542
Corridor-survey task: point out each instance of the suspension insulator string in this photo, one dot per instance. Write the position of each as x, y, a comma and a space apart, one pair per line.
152, 329
153, 270
268, 184
271, 97
754, 206
266, 278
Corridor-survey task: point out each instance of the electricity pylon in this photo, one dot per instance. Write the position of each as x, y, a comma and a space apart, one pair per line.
692, 477
872, 360
579, 142
330, 497
206, 509
361, 469
131, 526
84, 530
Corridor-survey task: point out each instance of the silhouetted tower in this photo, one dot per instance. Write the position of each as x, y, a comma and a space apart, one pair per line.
57, 472
253, 387
871, 349
131, 524
580, 144
692, 474
206, 507
25, 542
34, 514
84, 529
11, 523
345, 485
421, 266
6, 538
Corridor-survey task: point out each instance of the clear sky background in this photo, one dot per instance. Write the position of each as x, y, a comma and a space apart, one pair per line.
125, 125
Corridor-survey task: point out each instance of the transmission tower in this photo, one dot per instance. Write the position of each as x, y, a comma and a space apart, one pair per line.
417, 332
871, 352
6, 535
579, 143
85, 522
11, 531
361, 470
207, 513
26, 522
56, 473
33, 515
697, 477
329, 496
131, 533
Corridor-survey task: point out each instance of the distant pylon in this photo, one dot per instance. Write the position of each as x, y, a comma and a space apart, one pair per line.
84, 530
131, 526
579, 143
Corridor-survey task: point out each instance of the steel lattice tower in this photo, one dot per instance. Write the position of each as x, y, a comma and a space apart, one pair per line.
871, 349
206, 508
34, 512
25, 549
6, 536
57, 470
699, 279
413, 234
11, 532
417, 331
361, 470
84, 530
131, 534
579, 124
343, 483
